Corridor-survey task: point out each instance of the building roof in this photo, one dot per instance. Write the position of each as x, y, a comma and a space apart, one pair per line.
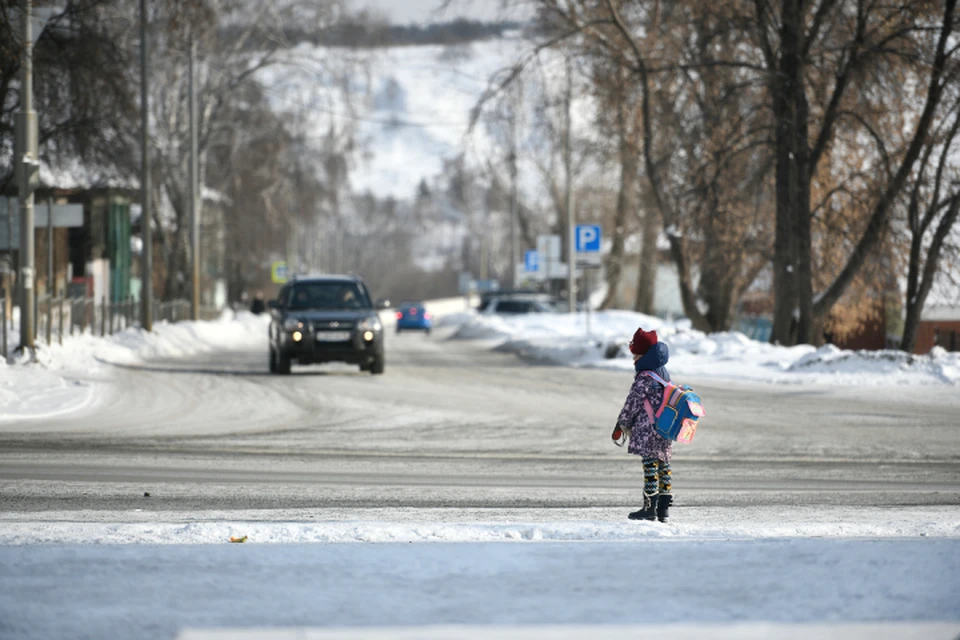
941, 313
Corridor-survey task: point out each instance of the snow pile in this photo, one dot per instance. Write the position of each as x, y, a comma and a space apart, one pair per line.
699, 524
64, 377
565, 340
939, 363
233, 330
33, 392
604, 325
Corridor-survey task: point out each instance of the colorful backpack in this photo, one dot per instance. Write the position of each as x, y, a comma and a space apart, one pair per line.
681, 409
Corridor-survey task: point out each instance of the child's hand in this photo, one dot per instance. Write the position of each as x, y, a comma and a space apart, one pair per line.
619, 435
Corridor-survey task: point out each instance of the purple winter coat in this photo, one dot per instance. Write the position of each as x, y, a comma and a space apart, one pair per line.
644, 439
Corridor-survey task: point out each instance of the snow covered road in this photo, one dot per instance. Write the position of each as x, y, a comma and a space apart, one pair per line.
454, 424
831, 503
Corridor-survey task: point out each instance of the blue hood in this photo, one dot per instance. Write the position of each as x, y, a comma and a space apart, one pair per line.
654, 360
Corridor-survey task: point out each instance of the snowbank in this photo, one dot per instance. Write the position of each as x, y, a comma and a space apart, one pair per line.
698, 523
65, 377
566, 340
233, 330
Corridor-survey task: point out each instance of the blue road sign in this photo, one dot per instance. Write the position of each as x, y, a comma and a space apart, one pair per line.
588, 238
531, 261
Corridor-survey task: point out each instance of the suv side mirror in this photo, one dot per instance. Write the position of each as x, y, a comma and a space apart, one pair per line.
383, 304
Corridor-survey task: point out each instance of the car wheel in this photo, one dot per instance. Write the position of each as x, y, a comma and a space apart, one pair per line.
378, 365
283, 364
273, 360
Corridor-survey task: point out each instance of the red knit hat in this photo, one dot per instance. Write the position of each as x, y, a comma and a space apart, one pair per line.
642, 341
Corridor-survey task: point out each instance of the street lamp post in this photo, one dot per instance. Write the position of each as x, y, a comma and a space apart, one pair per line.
146, 289
571, 215
195, 200
27, 170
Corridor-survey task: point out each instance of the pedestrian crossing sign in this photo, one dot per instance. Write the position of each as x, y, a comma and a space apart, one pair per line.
278, 272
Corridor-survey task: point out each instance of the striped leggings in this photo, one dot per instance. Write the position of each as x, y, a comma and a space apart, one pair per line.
656, 477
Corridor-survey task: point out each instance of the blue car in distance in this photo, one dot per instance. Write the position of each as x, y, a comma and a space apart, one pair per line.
412, 316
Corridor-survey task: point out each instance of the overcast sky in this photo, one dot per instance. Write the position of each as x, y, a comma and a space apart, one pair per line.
407, 11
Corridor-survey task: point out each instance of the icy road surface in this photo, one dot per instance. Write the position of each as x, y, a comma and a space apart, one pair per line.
452, 424
795, 504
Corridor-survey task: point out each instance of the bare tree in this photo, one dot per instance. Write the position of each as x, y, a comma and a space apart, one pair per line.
703, 150
83, 96
235, 43
932, 209
805, 76
822, 58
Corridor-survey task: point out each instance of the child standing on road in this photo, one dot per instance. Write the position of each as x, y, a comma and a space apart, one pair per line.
637, 420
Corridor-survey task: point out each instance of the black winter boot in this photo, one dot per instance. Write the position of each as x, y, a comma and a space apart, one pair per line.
649, 511
663, 507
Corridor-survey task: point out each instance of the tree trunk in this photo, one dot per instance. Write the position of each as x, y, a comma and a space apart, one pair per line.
719, 267
787, 88
628, 171
806, 330
912, 320
625, 202
910, 325
174, 285
649, 261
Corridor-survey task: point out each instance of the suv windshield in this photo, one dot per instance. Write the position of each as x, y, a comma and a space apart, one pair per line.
326, 295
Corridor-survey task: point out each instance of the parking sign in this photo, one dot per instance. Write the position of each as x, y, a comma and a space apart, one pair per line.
531, 261
588, 238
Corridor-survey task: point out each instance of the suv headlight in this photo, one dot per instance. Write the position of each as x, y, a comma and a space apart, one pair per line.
292, 324
370, 324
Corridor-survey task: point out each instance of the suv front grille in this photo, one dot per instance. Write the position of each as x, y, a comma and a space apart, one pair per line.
333, 325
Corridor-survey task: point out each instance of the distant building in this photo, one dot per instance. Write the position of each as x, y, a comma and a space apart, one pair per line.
939, 327
100, 259
93, 260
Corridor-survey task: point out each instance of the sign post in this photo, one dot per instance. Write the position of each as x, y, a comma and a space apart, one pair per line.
589, 240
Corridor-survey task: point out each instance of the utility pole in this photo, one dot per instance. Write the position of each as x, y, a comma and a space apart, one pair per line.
194, 203
571, 218
9, 296
27, 169
484, 239
514, 255
51, 277
146, 289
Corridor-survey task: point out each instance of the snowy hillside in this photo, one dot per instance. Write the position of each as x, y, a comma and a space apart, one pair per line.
409, 107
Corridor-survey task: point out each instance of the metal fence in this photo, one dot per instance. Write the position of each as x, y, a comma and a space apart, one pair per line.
56, 317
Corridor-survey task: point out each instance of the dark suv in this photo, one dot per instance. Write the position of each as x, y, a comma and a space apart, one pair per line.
325, 319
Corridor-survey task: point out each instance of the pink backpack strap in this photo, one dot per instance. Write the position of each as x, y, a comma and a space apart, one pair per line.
666, 395
649, 410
